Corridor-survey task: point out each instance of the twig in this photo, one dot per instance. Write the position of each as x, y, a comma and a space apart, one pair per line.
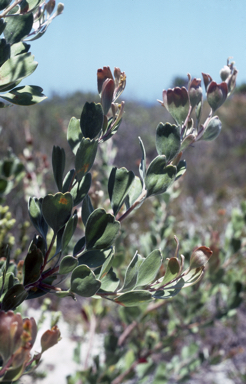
4, 13
137, 202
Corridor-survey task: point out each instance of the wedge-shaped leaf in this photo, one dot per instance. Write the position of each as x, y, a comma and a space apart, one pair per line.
14, 297
168, 140
216, 94
107, 264
167, 293
17, 68
101, 229
189, 277
85, 156
91, 120
57, 209
94, 258
79, 246
68, 181
68, 264
84, 282
142, 165
213, 129
149, 268
181, 169
32, 265
35, 212
69, 230
74, 134
132, 273
18, 48
134, 192
133, 298
87, 209
119, 183
172, 271
176, 101
110, 282
18, 27
4, 51
7, 282
80, 189
159, 176
25, 95
58, 165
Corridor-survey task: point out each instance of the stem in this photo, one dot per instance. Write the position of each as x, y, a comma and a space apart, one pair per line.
186, 121
48, 252
4, 13
137, 202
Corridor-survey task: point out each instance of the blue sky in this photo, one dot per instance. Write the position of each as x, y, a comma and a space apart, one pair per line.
151, 40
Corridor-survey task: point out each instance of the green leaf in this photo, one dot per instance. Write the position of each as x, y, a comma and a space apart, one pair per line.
149, 268
58, 165
142, 165
79, 246
132, 273
81, 188
213, 129
119, 183
67, 265
110, 282
84, 282
17, 68
159, 176
35, 212
69, 230
168, 140
57, 209
91, 120
85, 156
133, 298
101, 229
134, 192
74, 134
7, 282
25, 95
107, 263
18, 48
181, 169
4, 51
32, 265
68, 179
2, 24
4, 4
87, 209
94, 258
18, 27
14, 297
172, 271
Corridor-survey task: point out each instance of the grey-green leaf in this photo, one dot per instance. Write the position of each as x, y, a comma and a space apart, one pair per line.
84, 282
168, 140
101, 229
85, 156
133, 298
67, 264
58, 165
159, 176
119, 183
74, 134
149, 268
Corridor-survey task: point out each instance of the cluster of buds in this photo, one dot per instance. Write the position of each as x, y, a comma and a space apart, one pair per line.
180, 102
17, 337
